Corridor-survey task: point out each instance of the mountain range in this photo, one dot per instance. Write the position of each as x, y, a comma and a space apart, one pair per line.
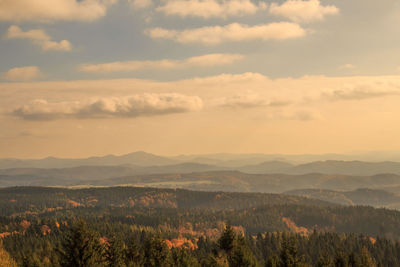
146, 163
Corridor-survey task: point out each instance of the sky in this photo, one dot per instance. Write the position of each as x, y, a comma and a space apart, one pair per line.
96, 77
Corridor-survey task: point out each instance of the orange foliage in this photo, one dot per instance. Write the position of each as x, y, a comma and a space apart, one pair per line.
104, 241
25, 224
5, 234
293, 227
74, 203
45, 229
181, 242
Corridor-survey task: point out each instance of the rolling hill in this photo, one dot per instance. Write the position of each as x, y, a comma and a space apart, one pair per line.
363, 196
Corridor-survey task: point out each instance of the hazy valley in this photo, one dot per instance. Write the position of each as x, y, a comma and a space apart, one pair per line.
345, 182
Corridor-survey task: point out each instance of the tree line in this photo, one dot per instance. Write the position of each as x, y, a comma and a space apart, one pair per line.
79, 244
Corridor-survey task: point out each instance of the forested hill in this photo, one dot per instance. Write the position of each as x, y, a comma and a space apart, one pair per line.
255, 212
234, 181
362, 196
41, 226
42, 199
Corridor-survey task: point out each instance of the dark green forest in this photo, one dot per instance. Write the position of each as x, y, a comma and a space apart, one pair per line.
128, 226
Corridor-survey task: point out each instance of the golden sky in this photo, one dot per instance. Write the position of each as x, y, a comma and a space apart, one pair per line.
102, 77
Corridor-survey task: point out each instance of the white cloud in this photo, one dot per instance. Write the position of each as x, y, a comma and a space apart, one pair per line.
250, 100
124, 107
245, 91
231, 33
52, 10
209, 60
141, 4
38, 37
303, 10
210, 8
22, 74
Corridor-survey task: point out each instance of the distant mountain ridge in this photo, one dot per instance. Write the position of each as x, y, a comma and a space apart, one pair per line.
146, 163
139, 158
346, 167
88, 173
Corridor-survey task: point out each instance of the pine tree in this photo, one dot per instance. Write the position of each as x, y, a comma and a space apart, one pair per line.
272, 261
182, 258
115, 253
225, 242
289, 256
156, 253
82, 247
134, 253
325, 260
218, 259
341, 260
366, 259
241, 255
354, 260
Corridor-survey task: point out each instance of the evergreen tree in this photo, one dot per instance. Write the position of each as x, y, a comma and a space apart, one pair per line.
366, 259
156, 252
219, 259
134, 253
241, 255
341, 260
325, 260
182, 258
225, 242
115, 253
29, 262
289, 255
82, 247
272, 261
354, 260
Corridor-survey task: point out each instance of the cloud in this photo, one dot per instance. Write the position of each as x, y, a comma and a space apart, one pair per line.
141, 4
347, 67
209, 60
250, 100
231, 33
38, 37
22, 74
298, 115
278, 107
229, 80
123, 107
362, 91
210, 8
303, 11
243, 97
54, 10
